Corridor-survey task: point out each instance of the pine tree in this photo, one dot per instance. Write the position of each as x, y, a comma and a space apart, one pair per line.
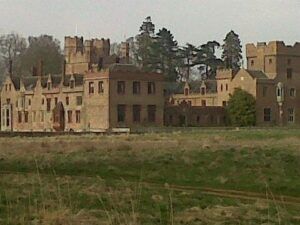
164, 54
208, 59
232, 51
190, 56
144, 44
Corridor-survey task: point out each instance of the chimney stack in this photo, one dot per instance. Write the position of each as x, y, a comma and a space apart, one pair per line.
124, 51
10, 68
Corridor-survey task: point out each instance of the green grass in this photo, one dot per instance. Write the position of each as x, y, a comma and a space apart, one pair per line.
125, 179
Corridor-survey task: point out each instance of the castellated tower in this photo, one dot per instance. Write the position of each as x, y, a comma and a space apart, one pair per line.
82, 55
124, 52
275, 59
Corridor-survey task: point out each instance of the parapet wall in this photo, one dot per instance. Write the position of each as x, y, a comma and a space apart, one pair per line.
75, 44
224, 73
272, 48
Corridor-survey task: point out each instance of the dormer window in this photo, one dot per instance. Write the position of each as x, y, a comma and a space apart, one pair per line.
203, 91
72, 84
186, 91
49, 85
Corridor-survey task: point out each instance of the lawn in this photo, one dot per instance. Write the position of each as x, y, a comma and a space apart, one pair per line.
188, 176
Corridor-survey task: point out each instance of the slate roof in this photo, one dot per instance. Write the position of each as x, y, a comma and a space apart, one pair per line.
78, 79
30, 82
257, 74
211, 86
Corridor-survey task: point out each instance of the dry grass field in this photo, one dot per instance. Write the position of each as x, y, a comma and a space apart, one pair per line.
183, 177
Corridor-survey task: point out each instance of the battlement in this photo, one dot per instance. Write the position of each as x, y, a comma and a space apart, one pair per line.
80, 43
272, 48
100, 43
224, 74
73, 42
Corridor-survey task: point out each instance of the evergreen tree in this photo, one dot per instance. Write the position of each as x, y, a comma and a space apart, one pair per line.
232, 51
145, 44
164, 54
190, 56
241, 108
208, 59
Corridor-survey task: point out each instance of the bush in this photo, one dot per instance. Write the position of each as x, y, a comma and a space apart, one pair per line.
241, 108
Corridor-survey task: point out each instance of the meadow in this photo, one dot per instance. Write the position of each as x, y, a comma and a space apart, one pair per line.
185, 176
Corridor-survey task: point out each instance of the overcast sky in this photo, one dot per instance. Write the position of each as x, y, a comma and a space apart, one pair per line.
194, 21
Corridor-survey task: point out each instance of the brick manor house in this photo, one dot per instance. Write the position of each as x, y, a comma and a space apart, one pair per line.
98, 91
272, 77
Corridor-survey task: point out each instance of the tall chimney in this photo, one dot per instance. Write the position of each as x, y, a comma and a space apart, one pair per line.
124, 51
10, 67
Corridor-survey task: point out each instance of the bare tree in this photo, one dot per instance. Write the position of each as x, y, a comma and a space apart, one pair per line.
11, 47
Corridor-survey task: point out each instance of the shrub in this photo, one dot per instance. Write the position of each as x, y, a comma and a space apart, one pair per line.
241, 108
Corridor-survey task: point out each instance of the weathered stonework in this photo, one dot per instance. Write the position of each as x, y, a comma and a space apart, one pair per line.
269, 66
85, 97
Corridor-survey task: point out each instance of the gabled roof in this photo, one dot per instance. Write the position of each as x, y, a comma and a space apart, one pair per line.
55, 79
257, 74
30, 81
77, 77
16, 82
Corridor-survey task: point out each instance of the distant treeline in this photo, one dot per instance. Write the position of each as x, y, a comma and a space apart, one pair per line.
150, 50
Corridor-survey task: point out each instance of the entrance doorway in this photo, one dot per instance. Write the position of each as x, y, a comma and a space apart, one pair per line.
59, 117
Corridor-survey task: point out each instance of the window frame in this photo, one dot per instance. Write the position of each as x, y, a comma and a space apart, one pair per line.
91, 87
267, 114
121, 113
70, 116
136, 113
100, 87
151, 88
151, 113
291, 115
78, 116
78, 100
136, 87
292, 92
121, 87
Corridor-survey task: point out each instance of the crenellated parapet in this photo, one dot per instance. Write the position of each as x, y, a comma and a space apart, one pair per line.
272, 48
81, 55
224, 74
